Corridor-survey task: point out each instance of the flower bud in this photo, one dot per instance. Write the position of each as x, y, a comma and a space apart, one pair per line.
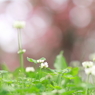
21, 51
19, 24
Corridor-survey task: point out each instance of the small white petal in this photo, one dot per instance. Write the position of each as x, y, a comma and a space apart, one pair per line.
44, 65
30, 69
40, 61
37, 61
88, 71
93, 70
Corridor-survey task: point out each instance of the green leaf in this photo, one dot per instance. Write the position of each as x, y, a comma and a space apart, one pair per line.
4, 67
67, 70
68, 92
69, 76
42, 58
31, 60
75, 71
60, 62
87, 85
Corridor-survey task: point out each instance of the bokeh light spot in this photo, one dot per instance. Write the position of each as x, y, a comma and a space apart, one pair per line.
80, 17
82, 3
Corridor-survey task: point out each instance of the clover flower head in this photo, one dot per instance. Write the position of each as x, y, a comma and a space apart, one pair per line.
88, 71
30, 69
44, 65
40, 61
19, 24
87, 64
93, 70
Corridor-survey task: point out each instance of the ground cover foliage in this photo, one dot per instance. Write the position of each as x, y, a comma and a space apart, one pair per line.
63, 80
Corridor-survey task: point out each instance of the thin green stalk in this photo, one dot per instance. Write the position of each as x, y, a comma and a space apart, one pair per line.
93, 80
1, 80
59, 79
87, 82
20, 49
40, 73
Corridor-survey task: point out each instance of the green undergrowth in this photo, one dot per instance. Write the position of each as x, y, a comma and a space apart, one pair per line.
63, 80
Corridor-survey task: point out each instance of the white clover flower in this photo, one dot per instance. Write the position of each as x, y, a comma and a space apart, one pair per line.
40, 61
30, 69
44, 65
88, 71
21, 51
87, 64
93, 70
19, 24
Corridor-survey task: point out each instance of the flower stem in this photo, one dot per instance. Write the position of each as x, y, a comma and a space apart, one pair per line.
20, 49
93, 80
40, 74
87, 82
59, 79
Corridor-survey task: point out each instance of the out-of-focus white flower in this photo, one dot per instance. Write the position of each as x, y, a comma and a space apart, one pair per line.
88, 71
93, 70
40, 61
44, 65
30, 69
87, 64
19, 24
21, 51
